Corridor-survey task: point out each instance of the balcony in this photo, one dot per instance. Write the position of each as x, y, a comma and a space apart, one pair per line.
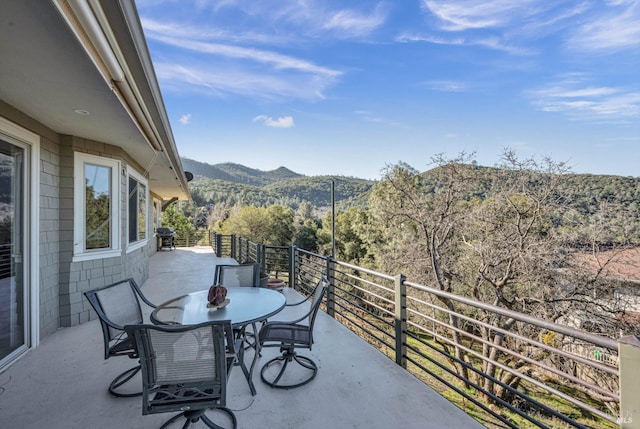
506, 368
63, 382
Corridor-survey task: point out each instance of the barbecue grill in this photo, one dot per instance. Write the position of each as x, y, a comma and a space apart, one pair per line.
166, 238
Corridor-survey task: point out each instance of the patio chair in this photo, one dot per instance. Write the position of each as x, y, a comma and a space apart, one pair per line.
243, 275
289, 336
117, 305
185, 368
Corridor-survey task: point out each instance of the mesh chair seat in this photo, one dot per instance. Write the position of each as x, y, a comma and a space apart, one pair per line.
289, 336
185, 368
287, 333
117, 305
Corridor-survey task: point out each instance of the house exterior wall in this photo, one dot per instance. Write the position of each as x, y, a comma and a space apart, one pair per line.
63, 281
50, 236
49, 213
86, 275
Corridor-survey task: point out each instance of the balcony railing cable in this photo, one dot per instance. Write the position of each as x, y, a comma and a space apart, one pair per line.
409, 323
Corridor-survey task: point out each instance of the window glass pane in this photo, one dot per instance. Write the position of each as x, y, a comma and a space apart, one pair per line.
142, 211
133, 210
97, 206
13, 290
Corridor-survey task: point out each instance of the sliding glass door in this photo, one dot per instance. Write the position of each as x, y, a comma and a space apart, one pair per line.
14, 298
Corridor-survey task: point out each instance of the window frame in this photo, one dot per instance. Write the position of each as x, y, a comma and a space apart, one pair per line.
80, 252
133, 245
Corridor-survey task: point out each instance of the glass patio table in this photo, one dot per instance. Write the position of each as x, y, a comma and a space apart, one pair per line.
247, 305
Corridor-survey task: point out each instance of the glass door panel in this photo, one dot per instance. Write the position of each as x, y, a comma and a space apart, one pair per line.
13, 293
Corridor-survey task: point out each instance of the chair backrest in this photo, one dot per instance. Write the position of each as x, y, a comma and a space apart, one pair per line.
117, 305
243, 275
185, 366
318, 295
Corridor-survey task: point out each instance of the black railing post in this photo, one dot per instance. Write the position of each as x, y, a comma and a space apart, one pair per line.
260, 257
331, 292
233, 246
629, 353
292, 267
401, 320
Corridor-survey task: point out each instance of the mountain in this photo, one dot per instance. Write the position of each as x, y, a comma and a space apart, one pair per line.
237, 173
234, 183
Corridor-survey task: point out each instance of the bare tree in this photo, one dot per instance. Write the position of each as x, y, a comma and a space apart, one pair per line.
478, 232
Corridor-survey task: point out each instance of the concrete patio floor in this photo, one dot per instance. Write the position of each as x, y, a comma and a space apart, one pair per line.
63, 382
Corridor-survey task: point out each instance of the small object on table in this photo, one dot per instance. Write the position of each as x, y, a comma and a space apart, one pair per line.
217, 296
223, 304
275, 284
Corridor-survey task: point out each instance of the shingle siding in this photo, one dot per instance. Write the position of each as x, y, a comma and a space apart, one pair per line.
62, 281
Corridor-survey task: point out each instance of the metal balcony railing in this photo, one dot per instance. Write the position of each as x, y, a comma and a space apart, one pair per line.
507, 369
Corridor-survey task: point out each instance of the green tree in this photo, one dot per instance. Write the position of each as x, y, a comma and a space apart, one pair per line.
350, 226
175, 218
495, 249
281, 230
272, 225
306, 227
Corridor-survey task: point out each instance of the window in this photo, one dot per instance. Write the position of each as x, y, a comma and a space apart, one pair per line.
96, 207
137, 213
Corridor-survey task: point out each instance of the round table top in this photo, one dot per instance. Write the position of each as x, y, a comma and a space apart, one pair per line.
246, 305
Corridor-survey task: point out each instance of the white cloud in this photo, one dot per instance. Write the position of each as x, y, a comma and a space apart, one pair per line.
295, 21
371, 117
281, 122
224, 80
474, 14
349, 22
446, 85
601, 26
612, 29
574, 98
487, 42
185, 119
279, 61
183, 30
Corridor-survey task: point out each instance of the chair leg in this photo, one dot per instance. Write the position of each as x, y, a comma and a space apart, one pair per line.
245, 371
173, 419
211, 424
194, 416
284, 359
121, 379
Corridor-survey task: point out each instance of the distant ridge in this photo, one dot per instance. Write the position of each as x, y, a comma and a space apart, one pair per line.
234, 183
237, 173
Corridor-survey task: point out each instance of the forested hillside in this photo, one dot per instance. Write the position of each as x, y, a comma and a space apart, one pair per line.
234, 183
237, 173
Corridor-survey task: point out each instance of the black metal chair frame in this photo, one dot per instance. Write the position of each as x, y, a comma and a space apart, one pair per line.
218, 279
116, 340
289, 335
218, 275
191, 396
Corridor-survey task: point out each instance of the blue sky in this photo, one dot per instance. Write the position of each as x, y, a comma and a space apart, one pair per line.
343, 87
